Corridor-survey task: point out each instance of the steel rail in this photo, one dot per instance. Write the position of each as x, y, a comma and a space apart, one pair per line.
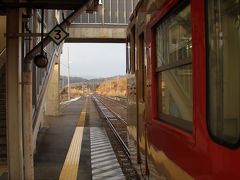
113, 111
111, 99
126, 150
118, 136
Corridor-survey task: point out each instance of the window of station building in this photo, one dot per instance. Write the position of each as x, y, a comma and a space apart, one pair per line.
141, 64
174, 68
223, 71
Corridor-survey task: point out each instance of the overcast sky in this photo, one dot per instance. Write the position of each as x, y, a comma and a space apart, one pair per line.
93, 60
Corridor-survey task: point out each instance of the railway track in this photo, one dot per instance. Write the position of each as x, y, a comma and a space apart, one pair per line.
121, 101
120, 109
116, 129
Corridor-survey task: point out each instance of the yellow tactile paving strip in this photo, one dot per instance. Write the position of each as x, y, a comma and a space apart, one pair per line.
81, 121
70, 167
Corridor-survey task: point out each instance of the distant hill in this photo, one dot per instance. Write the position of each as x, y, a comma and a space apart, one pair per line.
79, 80
64, 80
111, 86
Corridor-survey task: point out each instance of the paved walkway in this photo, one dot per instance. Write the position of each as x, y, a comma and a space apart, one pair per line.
75, 146
54, 141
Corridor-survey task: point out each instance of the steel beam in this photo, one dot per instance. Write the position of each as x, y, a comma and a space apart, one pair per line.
64, 25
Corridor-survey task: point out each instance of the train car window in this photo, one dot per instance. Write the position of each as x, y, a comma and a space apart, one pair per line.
132, 50
128, 55
174, 68
223, 71
141, 59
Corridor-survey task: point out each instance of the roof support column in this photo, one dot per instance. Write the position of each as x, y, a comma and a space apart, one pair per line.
27, 121
53, 98
14, 96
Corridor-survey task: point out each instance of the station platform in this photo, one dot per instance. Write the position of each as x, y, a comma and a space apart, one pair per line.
75, 145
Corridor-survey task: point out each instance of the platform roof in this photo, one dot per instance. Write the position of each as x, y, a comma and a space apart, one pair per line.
46, 4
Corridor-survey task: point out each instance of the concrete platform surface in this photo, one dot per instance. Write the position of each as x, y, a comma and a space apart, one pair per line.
75, 146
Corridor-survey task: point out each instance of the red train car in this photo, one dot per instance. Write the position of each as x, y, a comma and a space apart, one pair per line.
183, 62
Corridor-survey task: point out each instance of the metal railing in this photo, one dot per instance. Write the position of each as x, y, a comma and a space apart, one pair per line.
2, 51
110, 12
41, 85
2, 60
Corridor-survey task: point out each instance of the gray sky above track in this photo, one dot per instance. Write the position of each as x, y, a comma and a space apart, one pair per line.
93, 60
